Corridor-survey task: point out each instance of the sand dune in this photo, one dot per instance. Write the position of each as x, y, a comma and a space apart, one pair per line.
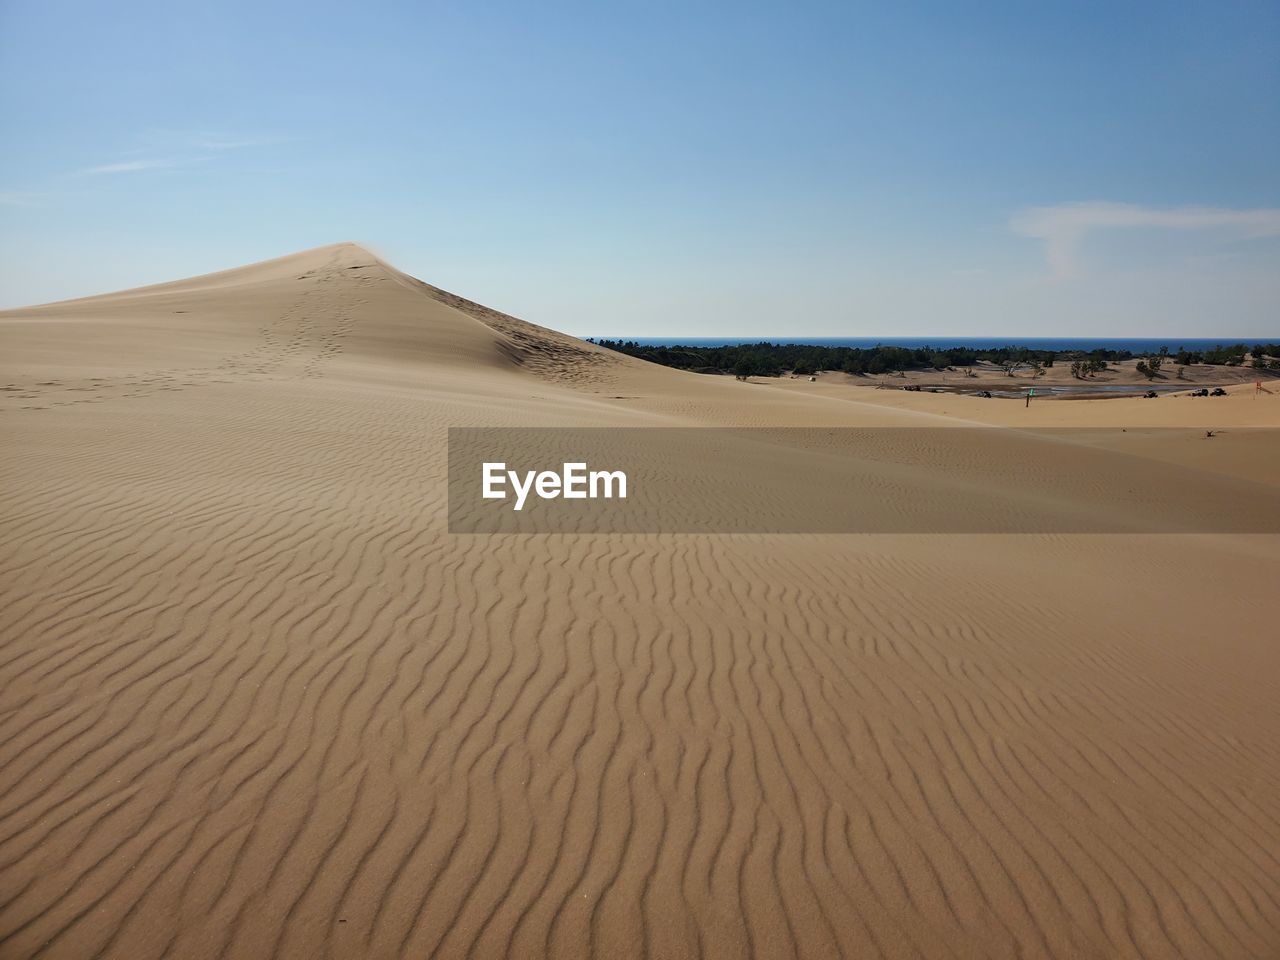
256, 701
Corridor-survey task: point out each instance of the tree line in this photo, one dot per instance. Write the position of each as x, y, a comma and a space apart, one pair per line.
765, 359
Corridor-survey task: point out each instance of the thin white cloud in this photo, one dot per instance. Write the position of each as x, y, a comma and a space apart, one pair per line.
130, 166
182, 149
1063, 227
219, 141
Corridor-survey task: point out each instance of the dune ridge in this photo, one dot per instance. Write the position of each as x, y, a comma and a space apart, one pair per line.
256, 701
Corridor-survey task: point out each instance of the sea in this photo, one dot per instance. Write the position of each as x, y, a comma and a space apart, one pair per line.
1135, 345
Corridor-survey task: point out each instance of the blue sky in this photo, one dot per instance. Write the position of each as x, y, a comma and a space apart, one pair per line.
708, 169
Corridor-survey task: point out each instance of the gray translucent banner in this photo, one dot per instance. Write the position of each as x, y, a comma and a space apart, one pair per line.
863, 480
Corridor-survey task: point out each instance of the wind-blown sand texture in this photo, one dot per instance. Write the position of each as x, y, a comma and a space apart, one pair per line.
256, 702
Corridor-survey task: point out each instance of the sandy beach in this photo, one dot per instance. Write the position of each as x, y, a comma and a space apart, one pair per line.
257, 701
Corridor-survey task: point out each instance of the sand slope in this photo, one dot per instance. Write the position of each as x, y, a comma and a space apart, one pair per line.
255, 701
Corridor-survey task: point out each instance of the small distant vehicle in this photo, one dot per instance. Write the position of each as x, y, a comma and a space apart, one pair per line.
1150, 395
1202, 392
1218, 392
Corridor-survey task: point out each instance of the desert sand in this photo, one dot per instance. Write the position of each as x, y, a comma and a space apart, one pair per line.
256, 701
1120, 379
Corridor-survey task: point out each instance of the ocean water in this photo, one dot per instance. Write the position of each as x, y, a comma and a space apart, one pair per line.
1133, 345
